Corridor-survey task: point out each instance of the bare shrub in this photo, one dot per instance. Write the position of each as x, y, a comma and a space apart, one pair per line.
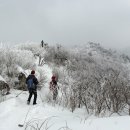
40, 124
100, 86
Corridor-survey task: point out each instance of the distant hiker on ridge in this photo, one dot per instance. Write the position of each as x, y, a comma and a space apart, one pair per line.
42, 43
32, 82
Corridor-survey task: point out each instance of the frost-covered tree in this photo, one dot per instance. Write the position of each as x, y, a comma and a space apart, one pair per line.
57, 55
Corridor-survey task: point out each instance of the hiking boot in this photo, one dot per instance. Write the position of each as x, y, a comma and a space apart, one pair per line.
7, 93
28, 102
34, 103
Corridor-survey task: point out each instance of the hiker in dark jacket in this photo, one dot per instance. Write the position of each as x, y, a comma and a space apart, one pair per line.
53, 87
33, 88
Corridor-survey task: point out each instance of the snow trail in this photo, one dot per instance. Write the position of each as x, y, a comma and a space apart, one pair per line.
14, 110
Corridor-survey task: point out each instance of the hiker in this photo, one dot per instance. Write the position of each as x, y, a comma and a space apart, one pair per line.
42, 43
22, 81
53, 87
32, 82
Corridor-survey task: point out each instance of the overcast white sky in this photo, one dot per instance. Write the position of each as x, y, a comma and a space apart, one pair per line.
66, 22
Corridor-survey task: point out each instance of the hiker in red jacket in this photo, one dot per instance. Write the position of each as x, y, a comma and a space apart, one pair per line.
53, 87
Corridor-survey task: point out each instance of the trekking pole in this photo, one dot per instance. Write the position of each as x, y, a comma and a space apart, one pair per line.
19, 93
41, 97
21, 125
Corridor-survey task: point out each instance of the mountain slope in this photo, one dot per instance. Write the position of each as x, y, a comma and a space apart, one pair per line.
15, 111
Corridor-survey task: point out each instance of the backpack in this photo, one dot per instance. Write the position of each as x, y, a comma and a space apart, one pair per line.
30, 84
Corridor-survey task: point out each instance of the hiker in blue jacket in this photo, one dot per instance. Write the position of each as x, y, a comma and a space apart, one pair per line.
32, 82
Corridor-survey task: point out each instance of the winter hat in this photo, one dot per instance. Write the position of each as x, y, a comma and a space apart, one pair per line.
33, 72
53, 77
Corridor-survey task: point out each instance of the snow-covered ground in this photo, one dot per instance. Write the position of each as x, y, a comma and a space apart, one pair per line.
14, 111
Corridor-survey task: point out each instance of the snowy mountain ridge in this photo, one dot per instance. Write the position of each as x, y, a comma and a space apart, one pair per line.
92, 83
96, 50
